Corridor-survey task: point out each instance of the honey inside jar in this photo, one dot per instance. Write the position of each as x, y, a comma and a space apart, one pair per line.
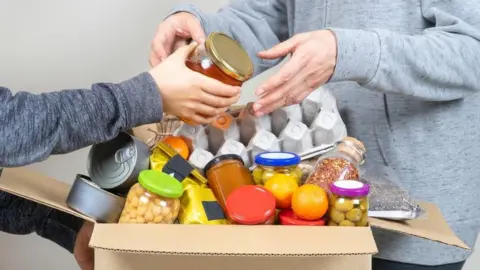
221, 58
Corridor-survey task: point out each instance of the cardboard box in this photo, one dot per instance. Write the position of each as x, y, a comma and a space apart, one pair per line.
212, 247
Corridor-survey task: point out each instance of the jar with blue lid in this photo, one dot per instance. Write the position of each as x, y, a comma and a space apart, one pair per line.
269, 164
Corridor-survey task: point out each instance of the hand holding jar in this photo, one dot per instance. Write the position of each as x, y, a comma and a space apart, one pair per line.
188, 94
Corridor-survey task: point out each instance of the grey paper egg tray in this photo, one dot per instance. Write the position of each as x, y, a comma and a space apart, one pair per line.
308, 129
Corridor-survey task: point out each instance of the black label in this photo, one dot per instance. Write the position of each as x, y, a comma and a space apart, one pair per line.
179, 167
213, 210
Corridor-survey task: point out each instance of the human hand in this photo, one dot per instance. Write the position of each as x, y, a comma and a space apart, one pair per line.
173, 33
82, 252
314, 56
188, 94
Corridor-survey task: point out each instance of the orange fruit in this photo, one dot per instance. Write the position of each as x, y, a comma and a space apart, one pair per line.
282, 187
178, 144
310, 202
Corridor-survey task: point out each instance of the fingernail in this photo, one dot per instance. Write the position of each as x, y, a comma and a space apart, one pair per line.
259, 91
257, 106
259, 114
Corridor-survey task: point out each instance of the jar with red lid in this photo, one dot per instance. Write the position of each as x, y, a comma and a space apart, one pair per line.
288, 217
222, 58
251, 205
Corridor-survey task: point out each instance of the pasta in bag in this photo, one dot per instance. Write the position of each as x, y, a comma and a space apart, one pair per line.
199, 206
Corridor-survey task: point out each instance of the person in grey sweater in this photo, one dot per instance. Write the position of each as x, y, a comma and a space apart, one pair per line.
405, 74
33, 127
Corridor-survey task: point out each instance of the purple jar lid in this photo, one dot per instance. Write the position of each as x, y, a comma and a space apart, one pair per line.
350, 188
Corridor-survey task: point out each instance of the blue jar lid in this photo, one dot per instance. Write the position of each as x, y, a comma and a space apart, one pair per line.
277, 159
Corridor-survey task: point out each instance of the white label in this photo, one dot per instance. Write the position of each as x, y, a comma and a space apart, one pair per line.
277, 155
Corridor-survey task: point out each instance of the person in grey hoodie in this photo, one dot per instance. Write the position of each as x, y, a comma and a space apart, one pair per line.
33, 127
406, 76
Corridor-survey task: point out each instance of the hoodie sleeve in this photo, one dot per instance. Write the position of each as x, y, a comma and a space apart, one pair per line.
32, 127
441, 64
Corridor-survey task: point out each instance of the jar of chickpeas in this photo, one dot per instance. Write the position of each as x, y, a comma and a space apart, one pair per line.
348, 203
153, 200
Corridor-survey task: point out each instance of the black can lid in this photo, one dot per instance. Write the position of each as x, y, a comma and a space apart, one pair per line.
218, 159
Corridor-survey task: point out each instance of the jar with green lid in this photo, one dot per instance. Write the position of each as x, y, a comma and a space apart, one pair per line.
273, 163
348, 203
153, 200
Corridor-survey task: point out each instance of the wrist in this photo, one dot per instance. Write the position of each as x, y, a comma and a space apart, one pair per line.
358, 55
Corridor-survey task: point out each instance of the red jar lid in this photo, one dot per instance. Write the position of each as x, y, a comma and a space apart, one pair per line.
250, 205
288, 217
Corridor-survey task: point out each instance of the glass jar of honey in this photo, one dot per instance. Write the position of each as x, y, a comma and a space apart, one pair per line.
225, 174
221, 58
251, 205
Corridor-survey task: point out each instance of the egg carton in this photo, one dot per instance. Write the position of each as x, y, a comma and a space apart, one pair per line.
308, 129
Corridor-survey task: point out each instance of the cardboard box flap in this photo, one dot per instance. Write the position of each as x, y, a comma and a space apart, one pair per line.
38, 188
433, 227
234, 240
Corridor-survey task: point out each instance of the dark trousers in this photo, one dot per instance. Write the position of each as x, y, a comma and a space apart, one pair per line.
389, 265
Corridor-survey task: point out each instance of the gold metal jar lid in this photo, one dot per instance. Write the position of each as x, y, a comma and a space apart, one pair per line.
229, 56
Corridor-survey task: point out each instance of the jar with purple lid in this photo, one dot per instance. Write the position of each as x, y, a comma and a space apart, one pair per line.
348, 203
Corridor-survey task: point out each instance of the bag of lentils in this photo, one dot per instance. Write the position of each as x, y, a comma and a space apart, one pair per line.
387, 199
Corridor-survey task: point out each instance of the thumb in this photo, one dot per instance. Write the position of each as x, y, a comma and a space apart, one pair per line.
281, 49
184, 51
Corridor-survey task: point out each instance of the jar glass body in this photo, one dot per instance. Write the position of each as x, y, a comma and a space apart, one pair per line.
348, 211
334, 166
262, 173
268, 221
225, 176
143, 206
200, 61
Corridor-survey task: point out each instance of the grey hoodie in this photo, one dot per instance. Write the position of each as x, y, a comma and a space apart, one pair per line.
407, 82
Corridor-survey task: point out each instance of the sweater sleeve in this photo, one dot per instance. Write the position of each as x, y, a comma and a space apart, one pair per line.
257, 25
32, 127
440, 64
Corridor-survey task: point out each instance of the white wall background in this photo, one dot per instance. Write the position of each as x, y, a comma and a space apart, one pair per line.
53, 44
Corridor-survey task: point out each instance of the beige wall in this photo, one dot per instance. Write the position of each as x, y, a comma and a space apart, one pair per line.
52, 44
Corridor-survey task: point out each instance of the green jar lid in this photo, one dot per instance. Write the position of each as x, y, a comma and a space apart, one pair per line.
160, 183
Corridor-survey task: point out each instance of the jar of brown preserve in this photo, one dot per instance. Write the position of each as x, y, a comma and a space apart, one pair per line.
221, 58
225, 174
342, 163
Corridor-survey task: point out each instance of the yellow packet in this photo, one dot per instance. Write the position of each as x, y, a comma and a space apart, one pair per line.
198, 205
163, 153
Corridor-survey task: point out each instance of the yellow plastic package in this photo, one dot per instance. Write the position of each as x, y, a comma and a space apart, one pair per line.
198, 205
163, 154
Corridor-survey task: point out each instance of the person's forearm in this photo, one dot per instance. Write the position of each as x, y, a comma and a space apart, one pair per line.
21, 216
440, 65
256, 25
32, 127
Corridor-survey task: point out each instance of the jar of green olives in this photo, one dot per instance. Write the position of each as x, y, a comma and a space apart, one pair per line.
272, 163
348, 203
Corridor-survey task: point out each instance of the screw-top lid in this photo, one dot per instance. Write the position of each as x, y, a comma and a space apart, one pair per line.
161, 183
229, 56
288, 217
250, 205
350, 188
221, 158
277, 159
